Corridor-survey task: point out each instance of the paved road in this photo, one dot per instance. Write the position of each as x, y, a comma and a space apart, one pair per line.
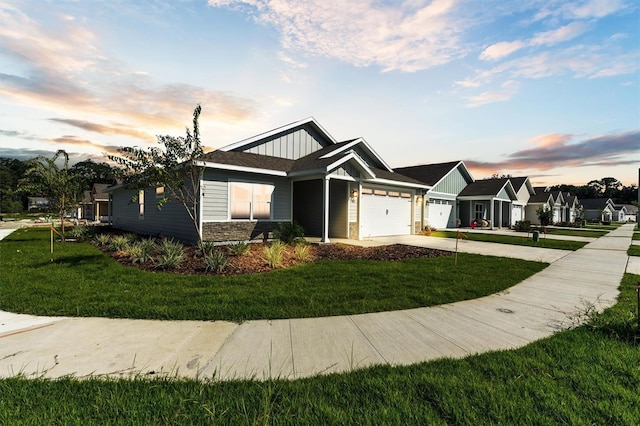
292, 348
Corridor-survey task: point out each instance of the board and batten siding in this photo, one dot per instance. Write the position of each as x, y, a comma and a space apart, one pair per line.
293, 145
171, 220
215, 200
503, 195
453, 183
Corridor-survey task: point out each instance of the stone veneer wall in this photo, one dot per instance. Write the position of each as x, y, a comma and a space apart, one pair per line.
237, 231
354, 230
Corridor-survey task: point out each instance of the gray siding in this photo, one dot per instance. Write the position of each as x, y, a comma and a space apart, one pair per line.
215, 200
170, 221
293, 145
503, 195
371, 162
453, 183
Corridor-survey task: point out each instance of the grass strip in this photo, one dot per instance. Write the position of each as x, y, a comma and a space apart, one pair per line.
593, 233
633, 250
588, 375
82, 281
514, 240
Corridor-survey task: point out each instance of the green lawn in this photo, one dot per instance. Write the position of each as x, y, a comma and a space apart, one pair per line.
633, 250
586, 376
636, 235
521, 240
614, 225
84, 282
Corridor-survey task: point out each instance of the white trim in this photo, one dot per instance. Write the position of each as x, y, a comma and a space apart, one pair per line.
395, 183
341, 149
200, 209
273, 132
241, 168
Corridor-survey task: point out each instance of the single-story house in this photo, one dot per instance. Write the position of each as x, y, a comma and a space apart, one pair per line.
487, 201
445, 181
298, 173
95, 203
619, 213
573, 207
631, 214
560, 208
524, 191
541, 199
598, 209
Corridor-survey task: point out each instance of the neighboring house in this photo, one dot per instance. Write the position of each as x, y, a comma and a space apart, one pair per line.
445, 181
631, 214
524, 191
619, 213
95, 203
598, 209
541, 199
560, 207
297, 172
489, 200
39, 203
573, 207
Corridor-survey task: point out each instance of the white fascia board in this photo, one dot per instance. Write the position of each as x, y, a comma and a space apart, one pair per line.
241, 168
441, 195
451, 171
467, 171
342, 148
353, 156
374, 153
276, 131
396, 183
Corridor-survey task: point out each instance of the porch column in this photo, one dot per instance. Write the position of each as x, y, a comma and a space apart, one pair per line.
492, 213
325, 210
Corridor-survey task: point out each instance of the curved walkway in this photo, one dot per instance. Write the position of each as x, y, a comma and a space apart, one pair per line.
546, 302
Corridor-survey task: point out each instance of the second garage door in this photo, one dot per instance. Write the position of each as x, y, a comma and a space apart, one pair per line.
385, 212
441, 214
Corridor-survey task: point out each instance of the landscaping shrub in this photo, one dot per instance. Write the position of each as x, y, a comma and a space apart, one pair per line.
302, 252
274, 253
240, 248
121, 242
205, 248
171, 254
141, 251
523, 225
289, 232
103, 240
215, 261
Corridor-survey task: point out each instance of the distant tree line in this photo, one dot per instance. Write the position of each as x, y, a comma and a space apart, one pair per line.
49, 178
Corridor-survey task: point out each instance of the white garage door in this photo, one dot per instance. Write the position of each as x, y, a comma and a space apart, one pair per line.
385, 213
516, 214
440, 214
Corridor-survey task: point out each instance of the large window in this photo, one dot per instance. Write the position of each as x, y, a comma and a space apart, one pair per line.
250, 201
479, 211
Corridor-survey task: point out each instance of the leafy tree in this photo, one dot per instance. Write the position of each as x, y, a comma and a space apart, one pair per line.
44, 177
545, 216
90, 172
176, 168
11, 171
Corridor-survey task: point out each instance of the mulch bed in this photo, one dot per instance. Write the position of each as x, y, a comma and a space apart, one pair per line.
254, 262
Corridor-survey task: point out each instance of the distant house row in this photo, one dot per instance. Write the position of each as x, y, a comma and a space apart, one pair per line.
334, 189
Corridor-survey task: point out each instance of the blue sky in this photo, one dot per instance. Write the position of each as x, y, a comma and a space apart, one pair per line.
548, 89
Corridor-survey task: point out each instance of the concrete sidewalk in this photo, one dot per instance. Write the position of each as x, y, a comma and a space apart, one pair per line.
549, 301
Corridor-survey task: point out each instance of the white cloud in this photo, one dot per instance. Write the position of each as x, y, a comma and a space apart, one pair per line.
596, 8
500, 50
407, 36
507, 90
559, 35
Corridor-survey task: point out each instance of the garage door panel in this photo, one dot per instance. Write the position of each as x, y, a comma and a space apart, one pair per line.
440, 215
385, 215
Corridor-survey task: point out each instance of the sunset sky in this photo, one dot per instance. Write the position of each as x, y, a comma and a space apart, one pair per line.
543, 88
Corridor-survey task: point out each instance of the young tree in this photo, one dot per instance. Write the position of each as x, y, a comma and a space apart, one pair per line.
545, 215
44, 177
176, 168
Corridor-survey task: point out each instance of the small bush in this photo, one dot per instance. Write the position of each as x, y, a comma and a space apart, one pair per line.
103, 240
523, 225
205, 248
171, 254
216, 261
141, 251
240, 248
289, 232
120, 242
274, 253
79, 232
302, 252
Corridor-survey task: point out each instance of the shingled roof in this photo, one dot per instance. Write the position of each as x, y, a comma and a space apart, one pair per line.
428, 173
488, 187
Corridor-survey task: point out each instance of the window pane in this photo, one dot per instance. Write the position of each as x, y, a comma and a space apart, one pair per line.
261, 210
240, 191
262, 193
240, 210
